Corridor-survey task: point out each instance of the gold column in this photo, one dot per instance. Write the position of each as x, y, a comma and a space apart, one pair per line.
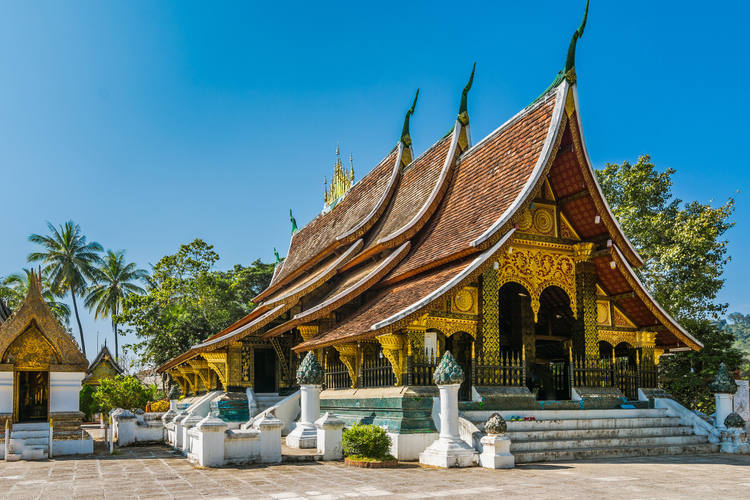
234, 365
490, 316
586, 340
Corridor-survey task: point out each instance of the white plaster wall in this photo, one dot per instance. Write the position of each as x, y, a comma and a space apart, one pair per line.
64, 388
409, 446
241, 446
6, 392
148, 433
72, 447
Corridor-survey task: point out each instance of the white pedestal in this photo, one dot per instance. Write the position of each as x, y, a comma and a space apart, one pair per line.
723, 408
330, 433
211, 447
496, 453
305, 434
270, 439
742, 399
449, 450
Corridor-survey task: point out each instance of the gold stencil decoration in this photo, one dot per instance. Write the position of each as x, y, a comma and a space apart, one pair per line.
602, 313
35, 335
526, 221
31, 350
465, 301
536, 269
543, 221
620, 319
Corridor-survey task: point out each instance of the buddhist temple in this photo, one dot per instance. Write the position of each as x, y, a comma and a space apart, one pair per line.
41, 368
502, 251
103, 366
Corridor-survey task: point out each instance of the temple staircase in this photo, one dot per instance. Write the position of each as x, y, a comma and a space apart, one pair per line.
266, 400
583, 434
29, 442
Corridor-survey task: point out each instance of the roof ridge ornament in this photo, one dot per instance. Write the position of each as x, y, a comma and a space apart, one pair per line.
276, 254
406, 155
570, 62
293, 221
463, 114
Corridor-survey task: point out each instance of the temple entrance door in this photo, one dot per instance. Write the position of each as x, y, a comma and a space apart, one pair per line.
459, 344
553, 339
265, 370
32, 396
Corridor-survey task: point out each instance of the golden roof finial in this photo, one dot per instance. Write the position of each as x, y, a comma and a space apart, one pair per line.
341, 180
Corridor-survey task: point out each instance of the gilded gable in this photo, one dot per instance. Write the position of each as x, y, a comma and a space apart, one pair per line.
33, 336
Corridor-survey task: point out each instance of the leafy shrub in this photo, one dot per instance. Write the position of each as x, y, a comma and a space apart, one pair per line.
158, 406
369, 441
124, 392
86, 402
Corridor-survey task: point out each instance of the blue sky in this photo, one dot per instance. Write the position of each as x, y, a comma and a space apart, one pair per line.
153, 123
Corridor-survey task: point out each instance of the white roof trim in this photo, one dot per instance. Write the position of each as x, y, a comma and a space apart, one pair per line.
386, 194
447, 164
332, 268
538, 168
393, 259
648, 294
242, 328
593, 175
446, 286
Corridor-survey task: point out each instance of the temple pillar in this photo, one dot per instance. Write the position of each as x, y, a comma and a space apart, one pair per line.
489, 314
647, 343
234, 367
528, 333
585, 335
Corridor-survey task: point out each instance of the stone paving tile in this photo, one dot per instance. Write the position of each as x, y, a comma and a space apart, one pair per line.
156, 472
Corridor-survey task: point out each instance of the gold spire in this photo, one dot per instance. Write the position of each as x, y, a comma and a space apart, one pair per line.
341, 181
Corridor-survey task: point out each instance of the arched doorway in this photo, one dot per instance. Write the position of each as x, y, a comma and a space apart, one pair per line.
460, 345
553, 340
516, 325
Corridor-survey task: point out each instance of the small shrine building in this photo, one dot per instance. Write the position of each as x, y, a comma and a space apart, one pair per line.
41, 367
503, 251
104, 366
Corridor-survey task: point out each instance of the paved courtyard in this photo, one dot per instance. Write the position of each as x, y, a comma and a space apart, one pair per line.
156, 472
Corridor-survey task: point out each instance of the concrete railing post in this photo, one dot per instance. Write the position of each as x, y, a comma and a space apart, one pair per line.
310, 380
724, 387
496, 445
449, 450
212, 433
270, 439
126, 422
330, 433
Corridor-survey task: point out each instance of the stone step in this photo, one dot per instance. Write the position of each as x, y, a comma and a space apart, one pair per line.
14, 434
34, 454
483, 415
628, 451
35, 426
593, 423
575, 444
13, 457
599, 433
30, 441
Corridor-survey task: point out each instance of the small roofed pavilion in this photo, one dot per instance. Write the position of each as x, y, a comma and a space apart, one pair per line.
41, 369
103, 366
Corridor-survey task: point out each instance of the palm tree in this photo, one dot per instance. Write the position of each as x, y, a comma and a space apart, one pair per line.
112, 283
18, 284
69, 261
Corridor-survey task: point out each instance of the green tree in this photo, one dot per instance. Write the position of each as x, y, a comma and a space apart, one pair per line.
189, 301
684, 249
17, 287
114, 280
69, 259
682, 244
125, 392
738, 325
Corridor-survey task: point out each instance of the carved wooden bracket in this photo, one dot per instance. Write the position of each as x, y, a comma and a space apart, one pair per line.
393, 350
217, 361
350, 355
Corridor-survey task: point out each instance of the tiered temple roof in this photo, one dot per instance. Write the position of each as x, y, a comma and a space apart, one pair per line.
411, 232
